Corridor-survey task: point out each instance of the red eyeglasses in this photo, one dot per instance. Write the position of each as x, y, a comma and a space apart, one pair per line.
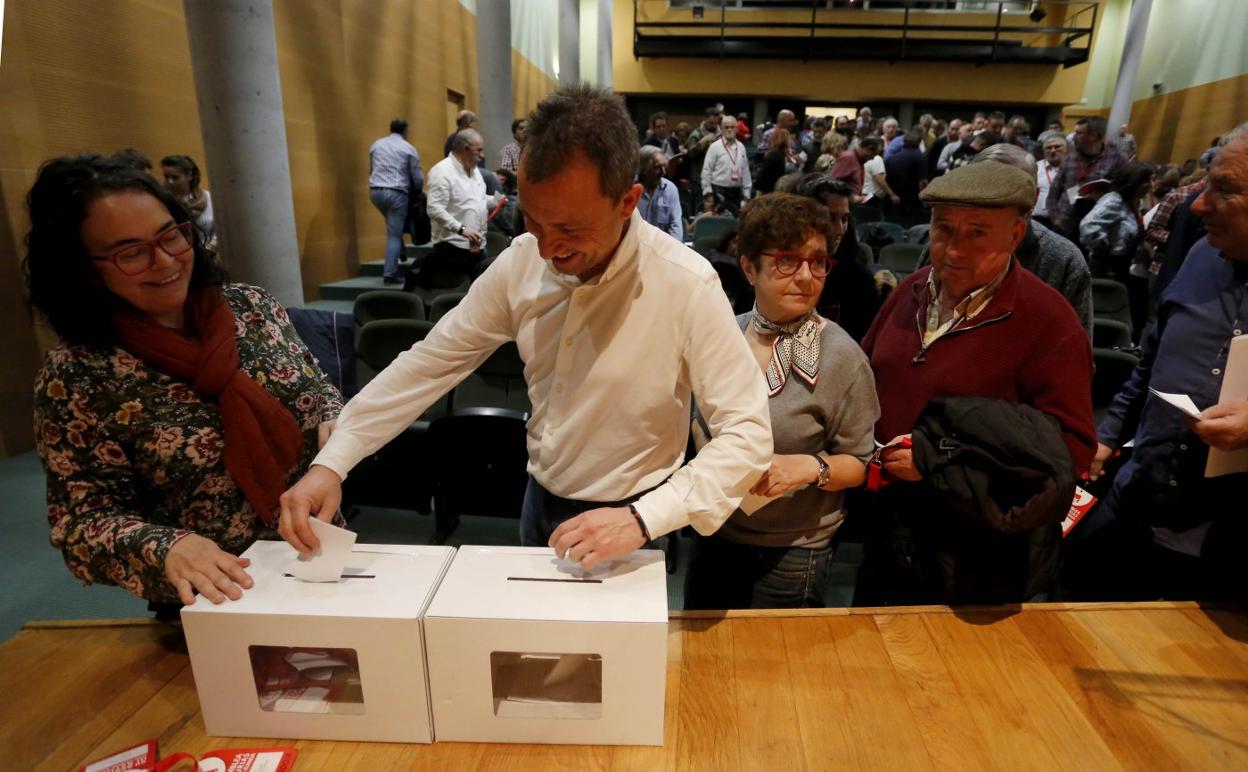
133, 259
789, 263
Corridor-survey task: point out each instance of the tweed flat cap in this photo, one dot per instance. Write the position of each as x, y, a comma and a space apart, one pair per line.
989, 185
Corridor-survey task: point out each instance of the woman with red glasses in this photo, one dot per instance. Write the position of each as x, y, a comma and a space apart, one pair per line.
178, 407
775, 551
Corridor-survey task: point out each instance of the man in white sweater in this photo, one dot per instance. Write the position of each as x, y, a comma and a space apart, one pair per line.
619, 325
726, 170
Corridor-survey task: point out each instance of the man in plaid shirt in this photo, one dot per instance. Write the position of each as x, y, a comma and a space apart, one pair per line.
509, 156
1093, 159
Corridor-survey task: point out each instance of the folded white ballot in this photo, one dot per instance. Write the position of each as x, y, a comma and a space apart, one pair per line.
328, 561
1181, 401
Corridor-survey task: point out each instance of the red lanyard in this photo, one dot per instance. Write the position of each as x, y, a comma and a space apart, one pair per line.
731, 154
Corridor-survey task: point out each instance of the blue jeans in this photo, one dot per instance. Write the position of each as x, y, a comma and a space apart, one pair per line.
543, 511
725, 574
393, 205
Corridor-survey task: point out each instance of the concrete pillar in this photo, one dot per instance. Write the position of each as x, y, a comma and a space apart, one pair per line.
569, 42
759, 116
495, 101
1132, 51
234, 60
588, 16
905, 115
605, 72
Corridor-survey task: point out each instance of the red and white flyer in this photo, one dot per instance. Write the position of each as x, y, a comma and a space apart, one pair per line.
144, 757
1078, 508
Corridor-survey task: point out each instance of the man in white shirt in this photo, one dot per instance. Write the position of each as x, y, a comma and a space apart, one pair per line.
875, 189
619, 325
458, 207
726, 170
1054, 146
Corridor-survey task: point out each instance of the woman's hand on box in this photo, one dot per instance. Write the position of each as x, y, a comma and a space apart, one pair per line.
196, 564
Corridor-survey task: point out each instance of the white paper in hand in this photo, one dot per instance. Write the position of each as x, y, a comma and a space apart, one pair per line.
1181, 401
327, 562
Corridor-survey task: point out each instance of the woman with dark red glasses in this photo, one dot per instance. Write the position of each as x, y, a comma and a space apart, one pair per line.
775, 551
178, 407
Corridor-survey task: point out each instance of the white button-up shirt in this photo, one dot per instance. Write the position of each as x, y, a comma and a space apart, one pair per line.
456, 197
717, 169
611, 367
1044, 180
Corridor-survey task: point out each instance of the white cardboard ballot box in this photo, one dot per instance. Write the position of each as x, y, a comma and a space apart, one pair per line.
319, 660
524, 647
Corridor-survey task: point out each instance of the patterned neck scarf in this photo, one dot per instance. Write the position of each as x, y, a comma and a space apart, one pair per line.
795, 348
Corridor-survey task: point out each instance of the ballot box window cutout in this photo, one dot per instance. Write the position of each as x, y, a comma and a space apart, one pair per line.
543, 685
307, 679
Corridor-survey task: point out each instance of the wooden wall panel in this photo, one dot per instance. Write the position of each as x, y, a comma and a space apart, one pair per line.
101, 76
528, 84
1173, 127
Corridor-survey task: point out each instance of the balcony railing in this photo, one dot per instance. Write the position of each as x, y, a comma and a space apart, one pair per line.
976, 31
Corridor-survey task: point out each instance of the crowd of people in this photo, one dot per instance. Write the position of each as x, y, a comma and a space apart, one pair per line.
945, 417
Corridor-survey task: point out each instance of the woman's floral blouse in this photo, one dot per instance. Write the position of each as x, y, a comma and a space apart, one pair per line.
134, 458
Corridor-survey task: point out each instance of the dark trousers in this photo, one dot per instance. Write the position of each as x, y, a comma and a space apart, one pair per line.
724, 574
732, 198
446, 259
543, 511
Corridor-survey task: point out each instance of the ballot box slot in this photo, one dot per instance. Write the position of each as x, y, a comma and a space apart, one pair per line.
551, 579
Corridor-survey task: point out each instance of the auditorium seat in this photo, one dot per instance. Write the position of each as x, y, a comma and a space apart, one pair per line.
1110, 333
497, 383
709, 227
1110, 301
481, 465
440, 304
386, 304
901, 259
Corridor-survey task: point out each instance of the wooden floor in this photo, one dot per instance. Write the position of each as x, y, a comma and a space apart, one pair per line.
1139, 686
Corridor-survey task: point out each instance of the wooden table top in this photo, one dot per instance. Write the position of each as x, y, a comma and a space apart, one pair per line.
1044, 686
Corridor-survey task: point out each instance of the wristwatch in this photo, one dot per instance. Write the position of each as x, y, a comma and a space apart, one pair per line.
822, 479
461, 230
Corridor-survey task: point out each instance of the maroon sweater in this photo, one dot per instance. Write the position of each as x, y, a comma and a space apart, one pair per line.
1027, 346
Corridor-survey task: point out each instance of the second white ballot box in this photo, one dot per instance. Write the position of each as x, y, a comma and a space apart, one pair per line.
338, 660
524, 647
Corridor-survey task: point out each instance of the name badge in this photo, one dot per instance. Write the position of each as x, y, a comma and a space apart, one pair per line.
1072, 193
736, 175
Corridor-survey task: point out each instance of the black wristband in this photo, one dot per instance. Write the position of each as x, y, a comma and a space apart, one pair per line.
640, 523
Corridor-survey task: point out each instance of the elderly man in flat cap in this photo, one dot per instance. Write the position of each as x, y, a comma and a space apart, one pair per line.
972, 324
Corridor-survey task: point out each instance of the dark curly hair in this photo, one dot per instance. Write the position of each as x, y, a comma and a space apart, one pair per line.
62, 285
780, 221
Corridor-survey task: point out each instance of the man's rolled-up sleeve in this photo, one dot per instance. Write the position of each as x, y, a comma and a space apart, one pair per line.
733, 400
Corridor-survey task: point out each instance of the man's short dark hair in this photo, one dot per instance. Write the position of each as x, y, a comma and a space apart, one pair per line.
516, 124
132, 158
590, 120
819, 186
872, 143
712, 111
996, 115
398, 126
912, 138
656, 117
1094, 123
986, 138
